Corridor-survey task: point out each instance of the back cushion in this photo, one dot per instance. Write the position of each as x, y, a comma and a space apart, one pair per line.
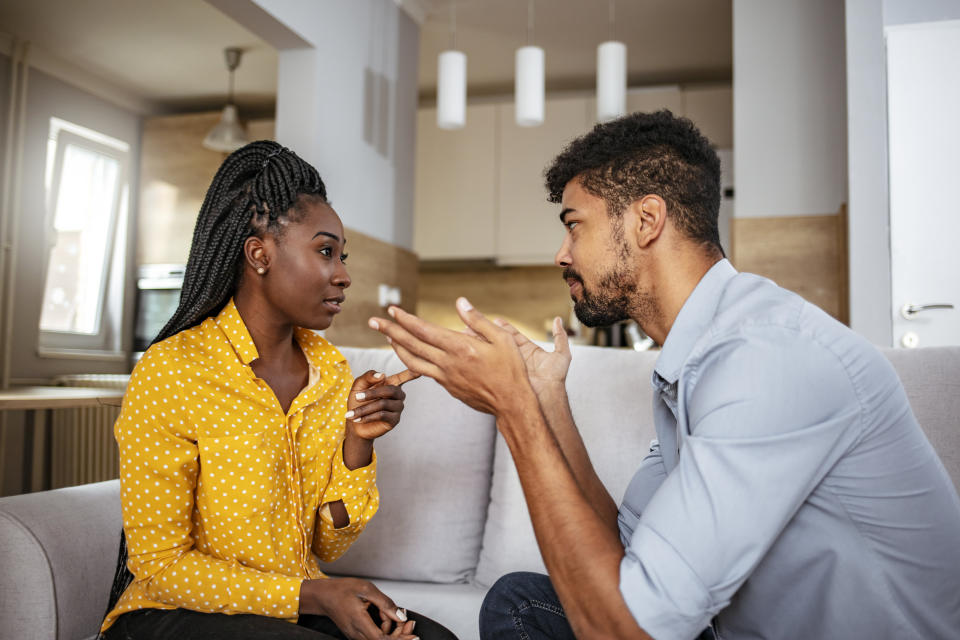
611, 396
433, 473
931, 378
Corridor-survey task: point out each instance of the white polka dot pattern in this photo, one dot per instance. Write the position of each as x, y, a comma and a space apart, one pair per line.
220, 489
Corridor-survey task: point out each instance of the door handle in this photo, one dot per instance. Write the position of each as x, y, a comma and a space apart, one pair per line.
909, 310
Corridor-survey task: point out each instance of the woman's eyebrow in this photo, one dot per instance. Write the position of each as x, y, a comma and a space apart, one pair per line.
328, 234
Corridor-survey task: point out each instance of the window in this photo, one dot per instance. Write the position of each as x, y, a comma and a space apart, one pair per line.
87, 204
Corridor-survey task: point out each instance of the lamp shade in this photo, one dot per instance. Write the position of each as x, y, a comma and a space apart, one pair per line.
227, 135
451, 90
611, 80
528, 87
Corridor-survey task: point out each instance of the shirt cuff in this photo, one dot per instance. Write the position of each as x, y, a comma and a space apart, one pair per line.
350, 486
273, 595
667, 599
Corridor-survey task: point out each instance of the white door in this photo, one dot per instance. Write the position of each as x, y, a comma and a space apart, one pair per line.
923, 101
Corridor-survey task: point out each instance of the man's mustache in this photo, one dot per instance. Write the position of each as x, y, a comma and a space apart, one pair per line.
570, 274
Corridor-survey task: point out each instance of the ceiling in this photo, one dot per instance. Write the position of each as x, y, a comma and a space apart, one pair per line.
167, 56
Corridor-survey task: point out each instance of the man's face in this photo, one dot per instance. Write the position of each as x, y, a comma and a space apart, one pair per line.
595, 257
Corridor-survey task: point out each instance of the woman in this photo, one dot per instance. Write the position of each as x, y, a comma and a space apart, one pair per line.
245, 443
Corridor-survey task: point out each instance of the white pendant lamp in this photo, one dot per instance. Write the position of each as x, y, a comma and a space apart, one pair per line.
227, 135
452, 82
529, 80
611, 77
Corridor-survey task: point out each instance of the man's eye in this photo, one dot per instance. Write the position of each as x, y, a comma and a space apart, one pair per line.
570, 225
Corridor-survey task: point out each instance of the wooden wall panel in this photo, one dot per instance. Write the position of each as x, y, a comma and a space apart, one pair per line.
806, 254
528, 297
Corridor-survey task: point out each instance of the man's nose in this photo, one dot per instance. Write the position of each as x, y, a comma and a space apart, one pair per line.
562, 258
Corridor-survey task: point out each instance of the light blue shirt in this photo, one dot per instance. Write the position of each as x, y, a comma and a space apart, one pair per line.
790, 492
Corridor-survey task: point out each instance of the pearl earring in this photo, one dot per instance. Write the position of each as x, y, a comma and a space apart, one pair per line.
261, 270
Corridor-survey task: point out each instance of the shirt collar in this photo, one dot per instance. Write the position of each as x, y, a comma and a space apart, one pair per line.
318, 351
694, 318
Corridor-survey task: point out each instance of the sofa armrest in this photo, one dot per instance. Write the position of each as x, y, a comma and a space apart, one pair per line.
58, 550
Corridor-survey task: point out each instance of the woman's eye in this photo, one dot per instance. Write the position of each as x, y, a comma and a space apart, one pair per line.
326, 251
344, 256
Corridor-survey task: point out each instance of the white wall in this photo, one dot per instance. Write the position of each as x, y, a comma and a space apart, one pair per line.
869, 213
346, 102
789, 107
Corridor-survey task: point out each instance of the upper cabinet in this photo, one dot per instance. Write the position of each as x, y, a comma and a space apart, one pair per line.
454, 197
528, 229
480, 190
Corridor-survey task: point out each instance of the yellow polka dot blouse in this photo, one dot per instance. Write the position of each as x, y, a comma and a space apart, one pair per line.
221, 491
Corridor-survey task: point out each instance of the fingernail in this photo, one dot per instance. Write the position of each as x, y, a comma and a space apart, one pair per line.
389, 340
402, 615
373, 324
377, 375
361, 395
392, 311
358, 419
464, 304
348, 414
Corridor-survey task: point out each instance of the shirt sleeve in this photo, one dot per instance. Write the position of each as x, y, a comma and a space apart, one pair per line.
769, 415
158, 476
357, 488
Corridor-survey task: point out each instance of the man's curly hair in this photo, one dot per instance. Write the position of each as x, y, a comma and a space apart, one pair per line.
647, 153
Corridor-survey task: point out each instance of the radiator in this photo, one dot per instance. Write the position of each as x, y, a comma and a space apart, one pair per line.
83, 449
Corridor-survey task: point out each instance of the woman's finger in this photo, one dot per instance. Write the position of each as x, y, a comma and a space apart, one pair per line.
369, 379
384, 391
376, 407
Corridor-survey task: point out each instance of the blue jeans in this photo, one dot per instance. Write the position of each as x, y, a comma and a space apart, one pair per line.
524, 606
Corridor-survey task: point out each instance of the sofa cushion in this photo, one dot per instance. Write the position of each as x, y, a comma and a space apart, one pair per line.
433, 473
931, 378
56, 585
610, 396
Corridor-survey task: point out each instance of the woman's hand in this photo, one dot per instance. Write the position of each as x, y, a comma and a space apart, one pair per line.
346, 601
375, 403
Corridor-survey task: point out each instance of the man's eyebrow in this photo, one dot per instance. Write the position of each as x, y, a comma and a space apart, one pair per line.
563, 214
329, 235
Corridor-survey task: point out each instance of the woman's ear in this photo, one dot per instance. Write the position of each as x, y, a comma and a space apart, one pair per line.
256, 254
650, 213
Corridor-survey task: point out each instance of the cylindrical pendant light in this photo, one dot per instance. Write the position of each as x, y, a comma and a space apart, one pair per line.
451, 90
611, 76
452, 81
528, 80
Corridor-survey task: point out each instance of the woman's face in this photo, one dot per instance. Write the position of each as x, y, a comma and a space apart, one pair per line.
307, 276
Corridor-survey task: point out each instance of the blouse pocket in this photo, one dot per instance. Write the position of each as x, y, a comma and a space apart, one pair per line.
238, 476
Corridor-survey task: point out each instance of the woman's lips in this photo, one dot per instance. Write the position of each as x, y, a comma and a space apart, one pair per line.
333, 304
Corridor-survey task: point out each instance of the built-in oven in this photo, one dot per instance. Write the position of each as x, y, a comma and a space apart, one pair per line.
158, 294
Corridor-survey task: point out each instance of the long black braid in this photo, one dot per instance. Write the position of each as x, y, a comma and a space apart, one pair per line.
255, 187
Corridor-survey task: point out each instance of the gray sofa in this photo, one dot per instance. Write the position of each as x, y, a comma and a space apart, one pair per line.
452, 516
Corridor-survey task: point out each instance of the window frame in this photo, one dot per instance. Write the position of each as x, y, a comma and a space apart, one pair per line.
106, 342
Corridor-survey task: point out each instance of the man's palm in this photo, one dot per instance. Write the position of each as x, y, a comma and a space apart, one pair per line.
544, 367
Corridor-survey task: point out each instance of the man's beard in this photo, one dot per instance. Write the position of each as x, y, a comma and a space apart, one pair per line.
611, 302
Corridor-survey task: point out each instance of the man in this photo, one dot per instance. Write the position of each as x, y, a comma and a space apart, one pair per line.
791, 492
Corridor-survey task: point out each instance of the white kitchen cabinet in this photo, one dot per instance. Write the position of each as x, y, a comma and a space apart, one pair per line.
454, 198
528, 229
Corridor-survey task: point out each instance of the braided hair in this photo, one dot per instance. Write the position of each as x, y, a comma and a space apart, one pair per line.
256, 188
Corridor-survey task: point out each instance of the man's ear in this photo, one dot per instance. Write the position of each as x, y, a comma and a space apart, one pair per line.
650, 213
256, 253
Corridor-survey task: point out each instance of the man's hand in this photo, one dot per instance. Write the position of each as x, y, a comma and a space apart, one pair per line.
375, 403
482, 368
545, 369
346, 601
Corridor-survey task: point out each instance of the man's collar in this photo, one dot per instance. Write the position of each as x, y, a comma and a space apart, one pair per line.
317, 350
694, 318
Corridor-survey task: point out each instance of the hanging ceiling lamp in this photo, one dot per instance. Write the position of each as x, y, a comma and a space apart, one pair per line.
452, 81
528, 81
227, 135
611, 76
